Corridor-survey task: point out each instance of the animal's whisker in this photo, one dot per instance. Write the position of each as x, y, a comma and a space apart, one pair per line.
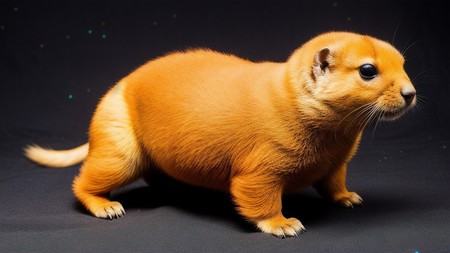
420, 75
378, 117
366, 115
412, 44
421, 99
355, 115
423, 105
360, 119
371, 116
395, 32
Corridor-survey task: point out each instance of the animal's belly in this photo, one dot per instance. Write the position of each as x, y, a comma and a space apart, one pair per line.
209, 169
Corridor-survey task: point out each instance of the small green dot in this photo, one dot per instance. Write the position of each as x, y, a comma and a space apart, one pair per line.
90, 31
70, 96
103, 36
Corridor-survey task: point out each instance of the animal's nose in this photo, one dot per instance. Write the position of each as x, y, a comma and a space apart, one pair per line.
408, 94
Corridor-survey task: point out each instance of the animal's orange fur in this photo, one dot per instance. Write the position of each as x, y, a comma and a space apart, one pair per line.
256, 130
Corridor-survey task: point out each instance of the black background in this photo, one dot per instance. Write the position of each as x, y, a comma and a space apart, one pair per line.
57, 58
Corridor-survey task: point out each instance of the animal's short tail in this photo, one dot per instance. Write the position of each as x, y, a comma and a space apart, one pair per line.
56, 158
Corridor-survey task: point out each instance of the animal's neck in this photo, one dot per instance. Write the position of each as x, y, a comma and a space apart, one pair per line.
316, 122
318, 118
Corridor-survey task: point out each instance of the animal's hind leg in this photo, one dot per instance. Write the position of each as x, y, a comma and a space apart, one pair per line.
115, 157
98, 177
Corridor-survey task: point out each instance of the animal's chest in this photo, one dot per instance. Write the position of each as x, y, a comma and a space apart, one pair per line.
314, 162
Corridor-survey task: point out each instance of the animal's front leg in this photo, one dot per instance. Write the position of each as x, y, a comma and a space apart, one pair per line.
333, 187
258, 199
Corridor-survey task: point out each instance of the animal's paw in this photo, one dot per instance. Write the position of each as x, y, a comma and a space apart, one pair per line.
109, 210
281, 227
350, 199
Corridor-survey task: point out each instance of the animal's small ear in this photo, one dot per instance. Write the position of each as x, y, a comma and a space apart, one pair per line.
321, 62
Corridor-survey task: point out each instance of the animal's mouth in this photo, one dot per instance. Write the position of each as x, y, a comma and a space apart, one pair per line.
393, 114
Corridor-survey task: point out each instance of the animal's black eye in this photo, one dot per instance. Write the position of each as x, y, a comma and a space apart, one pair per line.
368, 72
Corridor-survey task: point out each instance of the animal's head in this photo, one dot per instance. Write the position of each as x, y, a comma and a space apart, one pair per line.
354, 76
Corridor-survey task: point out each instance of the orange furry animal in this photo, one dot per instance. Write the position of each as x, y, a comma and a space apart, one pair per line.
256, 130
